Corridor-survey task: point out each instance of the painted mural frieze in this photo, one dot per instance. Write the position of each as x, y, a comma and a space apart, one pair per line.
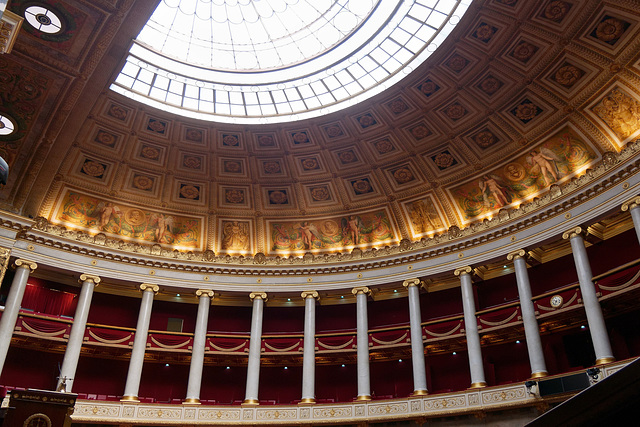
364, 229
92, 214
557, 159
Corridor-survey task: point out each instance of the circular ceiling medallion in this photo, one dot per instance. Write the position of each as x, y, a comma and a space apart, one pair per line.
43, 19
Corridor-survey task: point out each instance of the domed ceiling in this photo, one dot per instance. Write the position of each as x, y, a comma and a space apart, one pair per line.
523, 95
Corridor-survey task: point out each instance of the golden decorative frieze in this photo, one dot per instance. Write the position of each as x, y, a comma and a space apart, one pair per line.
91, 278
10, 25
5, 255
310, 294
149, 287
520, 253
26, 264
462, 270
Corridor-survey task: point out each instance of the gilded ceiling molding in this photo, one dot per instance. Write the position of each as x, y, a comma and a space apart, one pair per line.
571, 194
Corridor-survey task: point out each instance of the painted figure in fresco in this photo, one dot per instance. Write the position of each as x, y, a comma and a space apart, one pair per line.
236, 236
493, 186
106, 211
352, 227
424, 216
545, 160
308, 231
164, 223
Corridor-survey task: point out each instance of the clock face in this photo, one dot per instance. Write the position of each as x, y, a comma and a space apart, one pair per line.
556, 301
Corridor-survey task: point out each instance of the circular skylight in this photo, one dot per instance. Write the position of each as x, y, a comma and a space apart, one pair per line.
251, 35
259, 61
43, 19
6, 125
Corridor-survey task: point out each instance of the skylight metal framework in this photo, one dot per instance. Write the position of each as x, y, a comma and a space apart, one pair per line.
309, 74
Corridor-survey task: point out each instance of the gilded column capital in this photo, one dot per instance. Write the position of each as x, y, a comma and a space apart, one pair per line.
520, 253
630, 204
31, 265
149, 287
572, 233
90, 278
361, 290
412, 282
258, 295
310, 294
462, 270
205, 293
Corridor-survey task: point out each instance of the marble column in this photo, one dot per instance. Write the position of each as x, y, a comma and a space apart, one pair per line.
595, 319
531, 328
12, 305
633, 207
76, 337
205, 296
255, 341
364, 385
309, 348
471, 328
132, 385
417, 345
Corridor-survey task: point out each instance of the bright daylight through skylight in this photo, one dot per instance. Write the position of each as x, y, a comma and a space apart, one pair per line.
260, 61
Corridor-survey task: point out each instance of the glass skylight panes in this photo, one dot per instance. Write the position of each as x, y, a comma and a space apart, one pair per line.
279, 60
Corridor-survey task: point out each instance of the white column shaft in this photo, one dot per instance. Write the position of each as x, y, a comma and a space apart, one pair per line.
11, 309
417, 346
309, 351
364, 386
597, 327
531, 328
76, 336
132, 385
253, 366
471, 331
635, 216
197, 352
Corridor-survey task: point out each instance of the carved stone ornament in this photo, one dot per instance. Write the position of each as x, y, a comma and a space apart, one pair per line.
258, 295
361, 290
205, 293
149, 287
463, 270
310, 294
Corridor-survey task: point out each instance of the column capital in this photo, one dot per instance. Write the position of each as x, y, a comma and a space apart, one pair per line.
31, 265
310, 294
462, 270
520, 253
412, 282
149, 287
361, 290
577, 231
90, 278
205, 293
630, 204
258, 295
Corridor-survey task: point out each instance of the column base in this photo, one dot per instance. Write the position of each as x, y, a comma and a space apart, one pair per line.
478, 385
307, 401
419, 393
539, 374
251, 402
605, 360
191, 401
132, 399
363, 397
